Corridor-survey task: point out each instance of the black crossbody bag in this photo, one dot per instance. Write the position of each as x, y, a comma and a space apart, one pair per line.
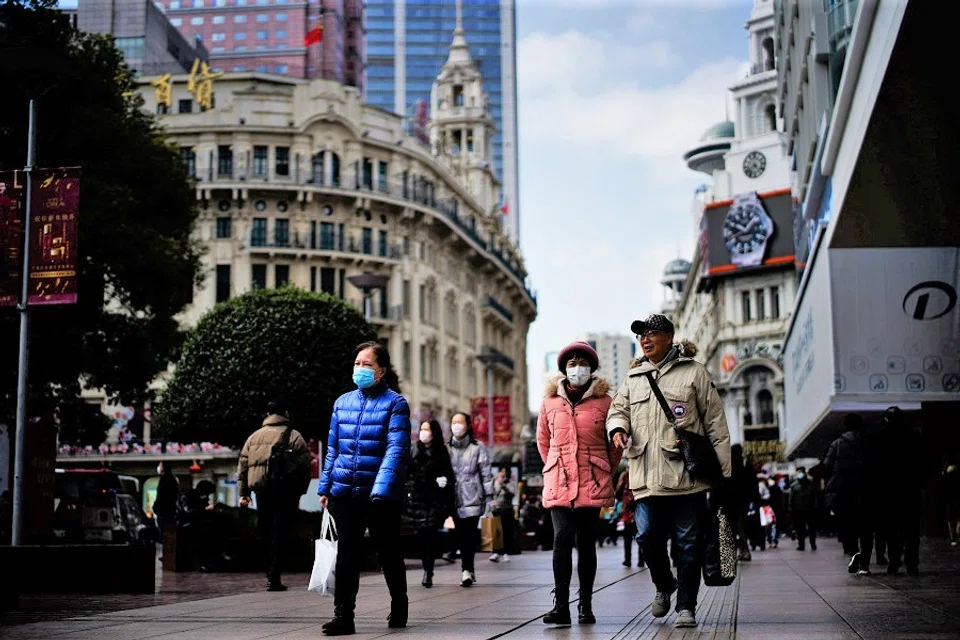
696, 450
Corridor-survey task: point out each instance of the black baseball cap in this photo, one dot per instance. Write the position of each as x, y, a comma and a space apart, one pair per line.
655, 322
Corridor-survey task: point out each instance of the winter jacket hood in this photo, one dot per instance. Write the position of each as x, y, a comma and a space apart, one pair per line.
368, 447
656, 467
254, 459
577, 455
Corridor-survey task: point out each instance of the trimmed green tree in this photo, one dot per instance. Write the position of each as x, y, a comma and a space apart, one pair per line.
283, 344
137, 261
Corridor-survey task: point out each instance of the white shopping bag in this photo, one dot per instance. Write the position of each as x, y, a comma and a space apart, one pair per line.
322, 579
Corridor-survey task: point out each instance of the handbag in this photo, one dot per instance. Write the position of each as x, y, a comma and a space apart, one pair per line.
322, 578
696, 450
491, 533
720, 551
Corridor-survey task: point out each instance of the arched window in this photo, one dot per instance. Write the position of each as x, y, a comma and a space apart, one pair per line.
768, 55
765, 407
334, 169
770, 118
317, 174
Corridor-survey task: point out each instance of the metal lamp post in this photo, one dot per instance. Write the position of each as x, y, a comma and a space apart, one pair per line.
489, 358
368, 283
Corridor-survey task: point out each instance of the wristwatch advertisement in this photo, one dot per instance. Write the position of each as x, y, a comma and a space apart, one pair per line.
747, 230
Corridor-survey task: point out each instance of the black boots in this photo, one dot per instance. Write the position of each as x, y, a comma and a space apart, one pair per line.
560, 614
427, 579
398, 614
586, 610
341, 625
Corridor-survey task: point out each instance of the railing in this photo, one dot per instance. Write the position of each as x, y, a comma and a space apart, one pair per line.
392, 313
493, 303
328, 242
500, 357
762, 67
412, 192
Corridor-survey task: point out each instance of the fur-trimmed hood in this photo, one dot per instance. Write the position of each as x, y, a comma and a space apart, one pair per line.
687, 350
598, 386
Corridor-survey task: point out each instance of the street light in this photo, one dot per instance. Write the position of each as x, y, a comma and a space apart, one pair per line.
368, 283
489, 358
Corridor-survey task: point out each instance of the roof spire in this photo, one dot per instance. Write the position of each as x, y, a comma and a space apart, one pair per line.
459, 50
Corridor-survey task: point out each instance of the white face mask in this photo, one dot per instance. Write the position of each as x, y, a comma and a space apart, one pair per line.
426, 437
459, 429
578, 375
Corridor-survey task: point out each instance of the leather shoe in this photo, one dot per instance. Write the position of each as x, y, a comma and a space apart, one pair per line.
276, 586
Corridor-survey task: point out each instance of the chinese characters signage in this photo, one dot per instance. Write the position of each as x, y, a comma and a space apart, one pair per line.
200, 83
10, 189
164, 91
53, 236
479, 416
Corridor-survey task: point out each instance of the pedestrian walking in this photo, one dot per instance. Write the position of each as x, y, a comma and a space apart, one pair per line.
802, 500
430, 497
850, 492
363, 481
168, 492
503, 508
577, 475
900, 480
670, 502
742, 495
275, 465
628, 509
474, 494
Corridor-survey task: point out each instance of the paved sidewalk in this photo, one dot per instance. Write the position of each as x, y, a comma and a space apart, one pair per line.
783, 593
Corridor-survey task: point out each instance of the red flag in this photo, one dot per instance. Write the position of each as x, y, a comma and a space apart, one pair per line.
505, 209
313, 37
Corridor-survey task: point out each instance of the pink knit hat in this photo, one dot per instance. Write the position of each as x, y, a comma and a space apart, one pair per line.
583, 348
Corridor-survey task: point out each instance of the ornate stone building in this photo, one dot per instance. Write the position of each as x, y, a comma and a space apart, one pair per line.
301, 183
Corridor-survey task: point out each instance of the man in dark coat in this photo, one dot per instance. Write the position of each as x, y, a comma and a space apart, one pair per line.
802, 500
849, 465
901, 461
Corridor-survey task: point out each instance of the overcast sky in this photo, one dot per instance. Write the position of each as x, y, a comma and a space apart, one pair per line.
611, 94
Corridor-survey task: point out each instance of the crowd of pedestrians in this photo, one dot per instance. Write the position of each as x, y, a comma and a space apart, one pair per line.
587, 432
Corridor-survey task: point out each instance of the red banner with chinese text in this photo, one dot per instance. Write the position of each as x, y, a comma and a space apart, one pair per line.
53, 236
502, 420
10, 237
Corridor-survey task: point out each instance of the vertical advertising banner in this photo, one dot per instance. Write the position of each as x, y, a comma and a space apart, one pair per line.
479, 417
10, 241
53, 236
502, 422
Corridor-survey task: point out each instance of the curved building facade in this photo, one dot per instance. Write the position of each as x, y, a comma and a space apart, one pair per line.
301, 183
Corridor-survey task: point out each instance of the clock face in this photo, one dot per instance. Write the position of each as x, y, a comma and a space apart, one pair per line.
746, 228
754, 164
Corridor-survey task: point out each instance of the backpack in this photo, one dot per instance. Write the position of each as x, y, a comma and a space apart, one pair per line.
283, 467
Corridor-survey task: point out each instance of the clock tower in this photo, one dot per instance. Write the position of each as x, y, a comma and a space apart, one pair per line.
756, 159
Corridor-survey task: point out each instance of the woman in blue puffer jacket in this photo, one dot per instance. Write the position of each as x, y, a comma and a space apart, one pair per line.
364, 474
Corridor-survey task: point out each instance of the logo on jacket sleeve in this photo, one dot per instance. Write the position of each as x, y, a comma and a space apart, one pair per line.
679, 410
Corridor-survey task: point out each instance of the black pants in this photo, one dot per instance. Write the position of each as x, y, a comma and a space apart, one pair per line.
574, 527
856, 529
353, 518
509, 524
427, 540
467, 534
630, 539
275, 520
903, 532
804, 524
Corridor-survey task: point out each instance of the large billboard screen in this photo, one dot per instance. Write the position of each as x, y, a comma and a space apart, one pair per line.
750, 231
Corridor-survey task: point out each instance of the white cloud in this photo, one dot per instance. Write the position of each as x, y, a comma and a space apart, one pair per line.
642, 22
580, 98
575, 60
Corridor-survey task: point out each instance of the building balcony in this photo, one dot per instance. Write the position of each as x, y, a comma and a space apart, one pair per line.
762, 67
401, 195
324, 245
497, 359
494, 309
380, 315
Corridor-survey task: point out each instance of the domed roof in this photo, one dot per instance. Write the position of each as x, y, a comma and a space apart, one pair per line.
723, 129
677, 267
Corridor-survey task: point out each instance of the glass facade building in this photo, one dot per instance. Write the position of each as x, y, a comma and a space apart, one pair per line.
407, 43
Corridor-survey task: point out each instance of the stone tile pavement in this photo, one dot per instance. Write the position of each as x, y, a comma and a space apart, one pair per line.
782, 593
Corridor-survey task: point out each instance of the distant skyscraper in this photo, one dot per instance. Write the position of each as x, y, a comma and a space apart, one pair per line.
408, 42
268, 35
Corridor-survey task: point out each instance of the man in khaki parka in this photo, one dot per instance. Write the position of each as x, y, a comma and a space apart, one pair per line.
276, 505
670, 503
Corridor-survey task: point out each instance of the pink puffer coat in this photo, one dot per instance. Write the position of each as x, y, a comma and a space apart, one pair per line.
578, 459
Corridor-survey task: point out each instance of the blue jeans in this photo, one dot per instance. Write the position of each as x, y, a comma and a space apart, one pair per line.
679, 518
